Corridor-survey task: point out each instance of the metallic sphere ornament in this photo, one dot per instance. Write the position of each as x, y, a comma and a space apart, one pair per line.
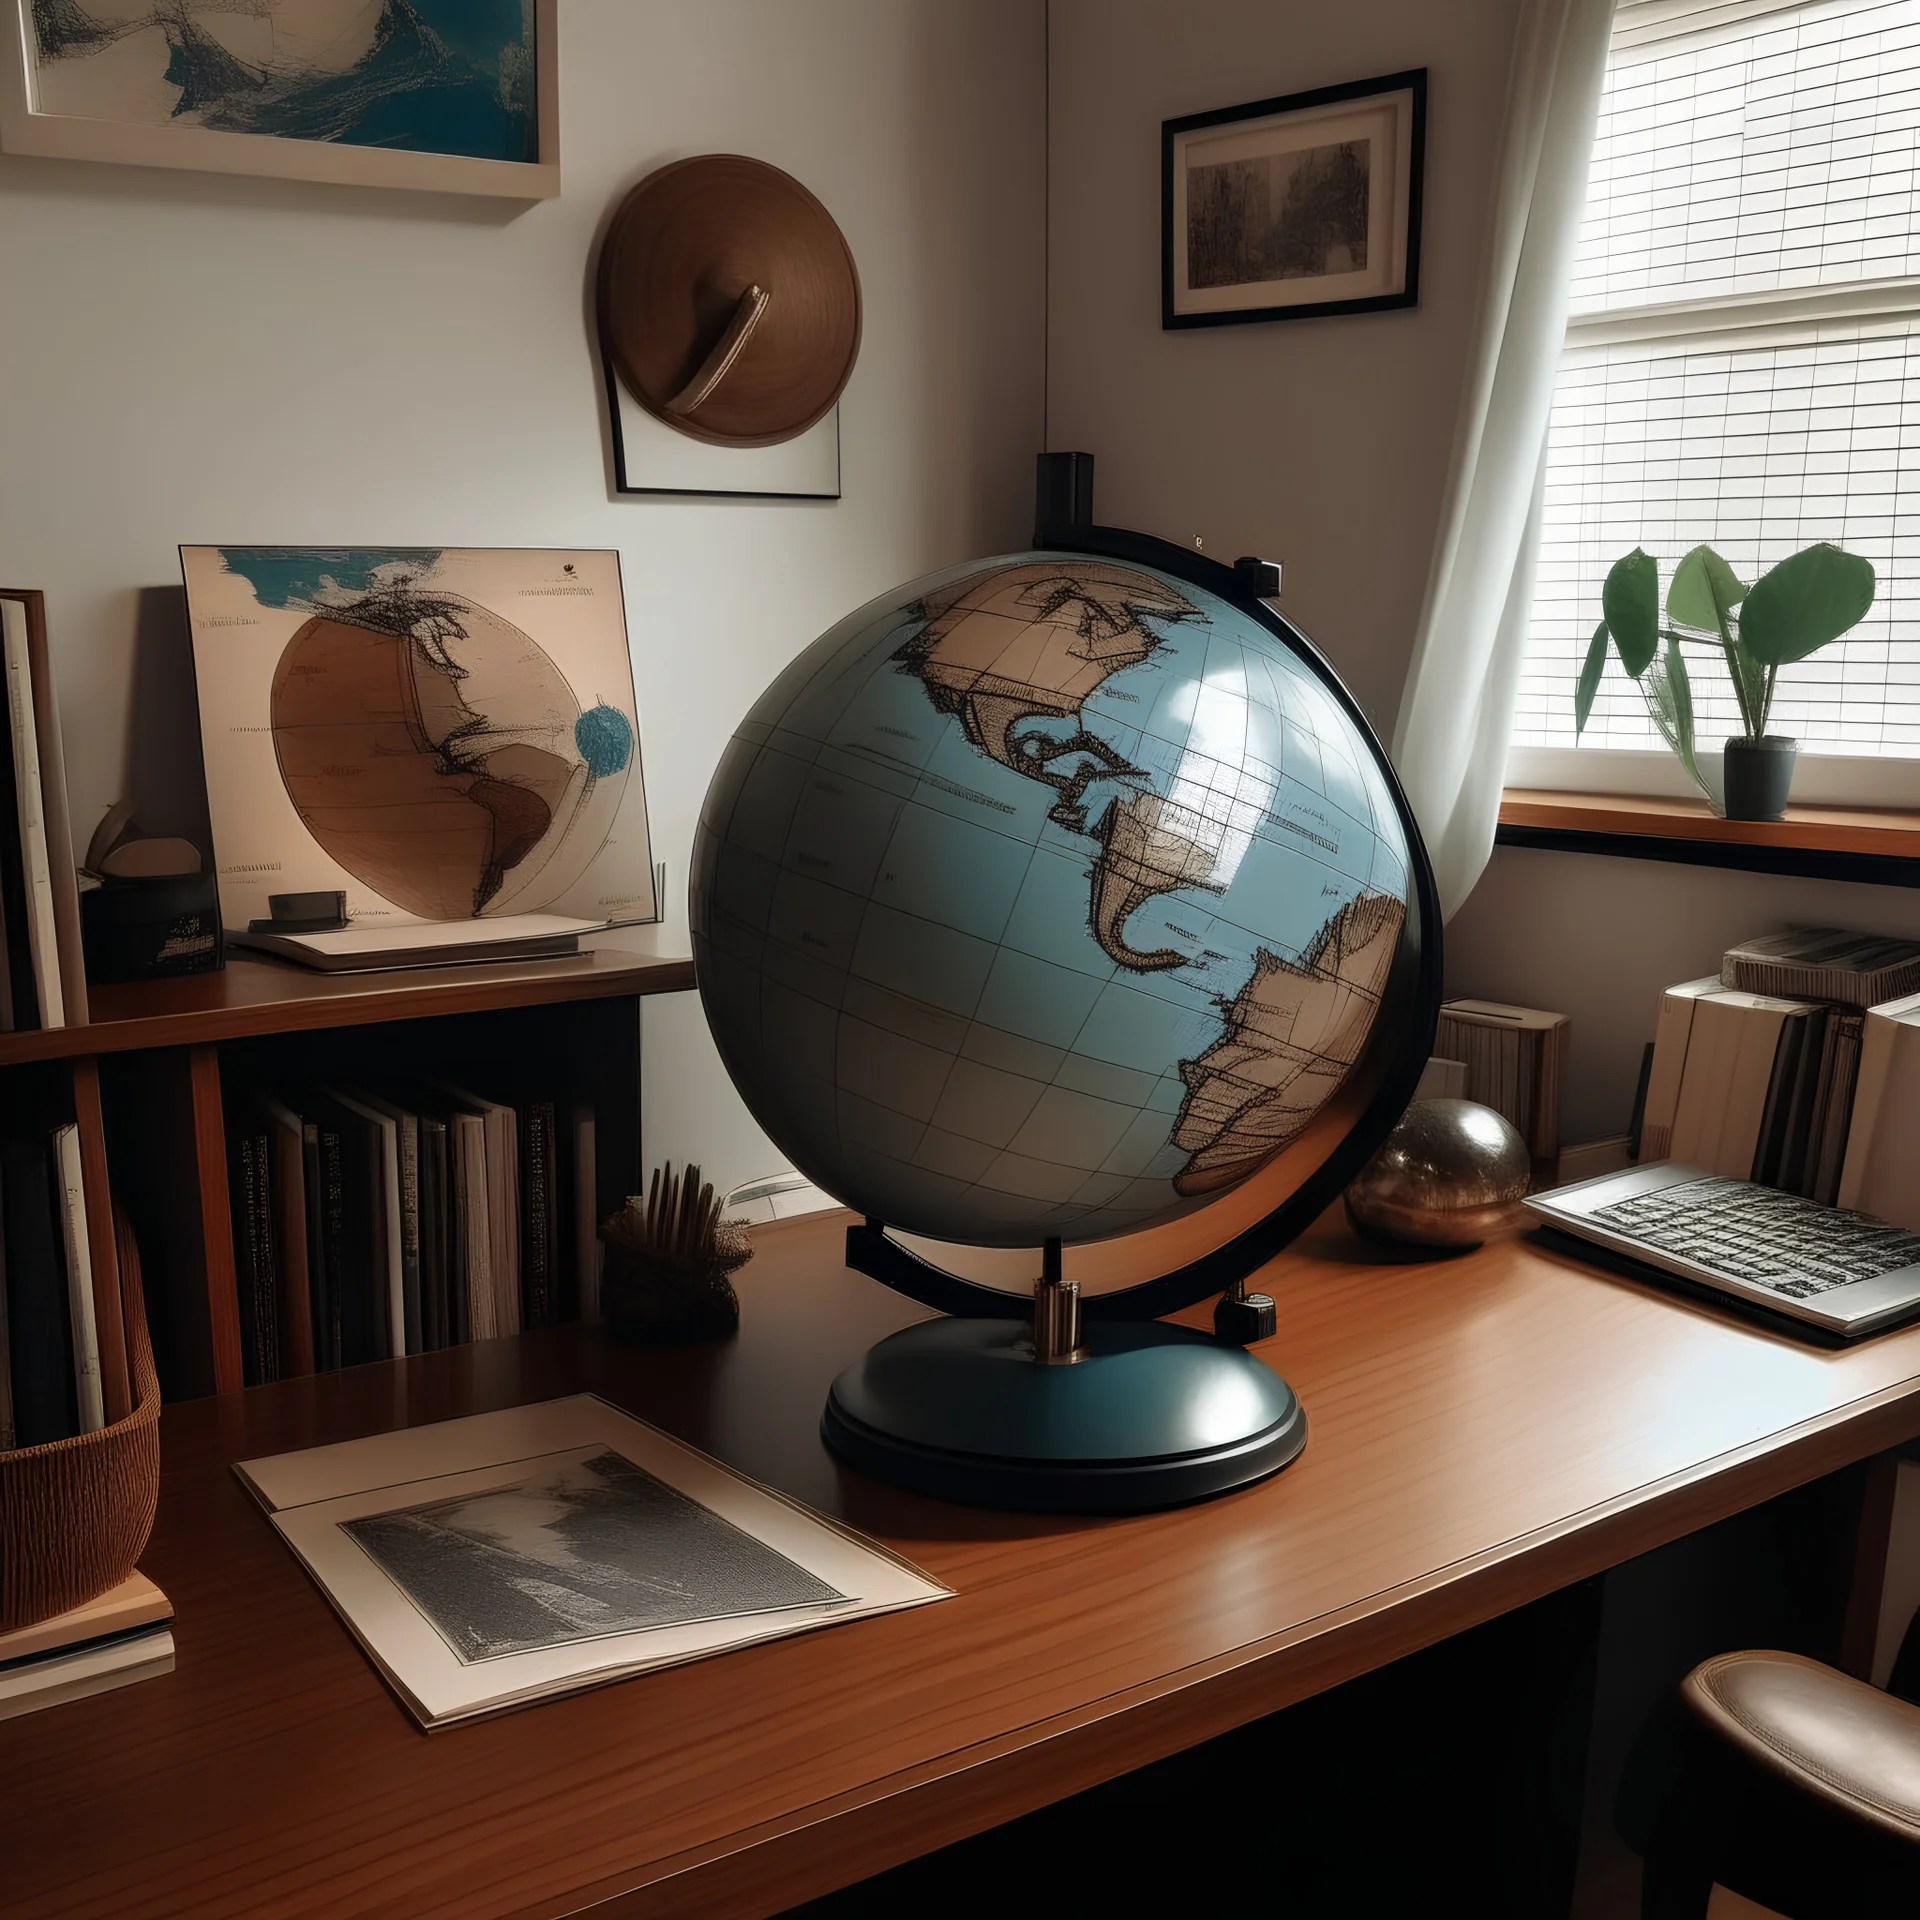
1450, 1174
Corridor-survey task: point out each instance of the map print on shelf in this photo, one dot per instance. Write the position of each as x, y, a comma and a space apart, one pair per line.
1070, 891
448, 734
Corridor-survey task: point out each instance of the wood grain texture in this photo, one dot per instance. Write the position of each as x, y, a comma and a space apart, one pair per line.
109, 1322
1484, 1430
1867, 830
249, 997
216, 1219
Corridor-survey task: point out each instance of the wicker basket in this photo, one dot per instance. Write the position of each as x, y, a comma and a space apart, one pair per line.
75, 1514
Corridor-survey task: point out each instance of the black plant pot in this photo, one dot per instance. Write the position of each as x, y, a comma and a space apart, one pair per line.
1759, 776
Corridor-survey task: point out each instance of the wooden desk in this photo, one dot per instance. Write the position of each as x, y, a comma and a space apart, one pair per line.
1483, 1431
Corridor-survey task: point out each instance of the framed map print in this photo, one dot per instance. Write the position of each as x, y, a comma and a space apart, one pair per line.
1283, 208
445, 734
454, 96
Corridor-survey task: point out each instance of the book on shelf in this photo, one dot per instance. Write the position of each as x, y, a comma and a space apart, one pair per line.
380, 1221
122, 1636
1753, 1086
293, 1245
1736, 1089
43, 982
76, 1259
1881, 1174
1514, 1058
500, 1140
588, 1248
388, 1226
46, 1402
1857, 970
1675, 1028
250, 1198
1833, 1105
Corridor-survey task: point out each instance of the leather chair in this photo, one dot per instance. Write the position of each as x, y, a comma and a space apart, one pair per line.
1799, 1789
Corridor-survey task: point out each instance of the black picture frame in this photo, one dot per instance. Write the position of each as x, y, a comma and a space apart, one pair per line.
1176, 296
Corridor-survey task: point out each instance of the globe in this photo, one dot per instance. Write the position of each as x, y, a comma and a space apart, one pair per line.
1047, 897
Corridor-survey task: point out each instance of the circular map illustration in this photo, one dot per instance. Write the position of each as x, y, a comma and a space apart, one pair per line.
437, 753
1048, 896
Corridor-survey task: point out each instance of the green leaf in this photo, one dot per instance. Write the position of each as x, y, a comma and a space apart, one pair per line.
1631, 602
1589, 682
1809, 599
1704, 592
1668, 692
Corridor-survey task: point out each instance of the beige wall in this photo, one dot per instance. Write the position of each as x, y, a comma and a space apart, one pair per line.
1319, 443
1325, 444
198, 358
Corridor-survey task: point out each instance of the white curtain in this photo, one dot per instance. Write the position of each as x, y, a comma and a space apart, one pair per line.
1456, 714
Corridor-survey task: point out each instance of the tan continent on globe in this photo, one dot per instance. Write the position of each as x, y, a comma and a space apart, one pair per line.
1293, 1033
1039, 640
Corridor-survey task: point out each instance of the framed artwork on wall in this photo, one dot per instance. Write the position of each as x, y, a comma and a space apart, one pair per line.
1307, 204
447, 96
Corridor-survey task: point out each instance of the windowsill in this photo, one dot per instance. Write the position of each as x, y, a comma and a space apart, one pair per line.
1837, 843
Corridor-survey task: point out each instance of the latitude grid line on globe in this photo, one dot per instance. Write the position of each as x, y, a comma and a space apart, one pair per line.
1210, 791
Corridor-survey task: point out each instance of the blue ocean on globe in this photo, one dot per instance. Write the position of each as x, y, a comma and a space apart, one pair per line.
1047, 896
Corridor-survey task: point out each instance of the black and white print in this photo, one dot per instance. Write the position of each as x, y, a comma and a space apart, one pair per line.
583, 1546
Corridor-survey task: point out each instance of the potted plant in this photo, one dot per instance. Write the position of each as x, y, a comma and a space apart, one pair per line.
1792, 610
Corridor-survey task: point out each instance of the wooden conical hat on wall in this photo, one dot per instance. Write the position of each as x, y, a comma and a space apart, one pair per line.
729, 301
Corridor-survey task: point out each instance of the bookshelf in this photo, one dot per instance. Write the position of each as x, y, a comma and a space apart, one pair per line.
149, 1077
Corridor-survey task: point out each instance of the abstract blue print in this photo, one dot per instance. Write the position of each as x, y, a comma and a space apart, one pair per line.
417, 76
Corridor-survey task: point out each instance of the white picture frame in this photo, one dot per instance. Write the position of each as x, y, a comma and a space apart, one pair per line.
319, 1499
27, 128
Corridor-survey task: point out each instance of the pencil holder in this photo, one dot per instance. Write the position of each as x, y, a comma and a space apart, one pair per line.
669, 1257
75, 1514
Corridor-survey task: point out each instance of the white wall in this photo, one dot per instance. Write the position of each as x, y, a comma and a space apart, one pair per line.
1319, 443
1325, 444
194, 358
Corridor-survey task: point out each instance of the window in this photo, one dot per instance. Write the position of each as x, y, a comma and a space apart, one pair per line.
1742, 367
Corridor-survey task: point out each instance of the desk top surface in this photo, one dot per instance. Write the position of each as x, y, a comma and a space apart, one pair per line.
1483, 1430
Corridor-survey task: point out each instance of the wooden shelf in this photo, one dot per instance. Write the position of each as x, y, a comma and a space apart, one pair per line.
255, 996
1831, 843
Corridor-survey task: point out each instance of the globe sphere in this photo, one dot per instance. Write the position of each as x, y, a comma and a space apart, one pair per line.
1048, 896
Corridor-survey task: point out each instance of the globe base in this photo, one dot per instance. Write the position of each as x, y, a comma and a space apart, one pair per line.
1150, 1415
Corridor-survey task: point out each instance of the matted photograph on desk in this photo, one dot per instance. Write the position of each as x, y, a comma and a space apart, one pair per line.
489, 1562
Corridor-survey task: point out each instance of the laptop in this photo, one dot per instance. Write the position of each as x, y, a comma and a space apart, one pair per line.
1839, 1273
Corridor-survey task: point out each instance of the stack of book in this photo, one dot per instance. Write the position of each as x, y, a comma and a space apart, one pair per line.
373, 1223
1513, 1058
43, 980
50, 1386
1758, 1072
110, 1642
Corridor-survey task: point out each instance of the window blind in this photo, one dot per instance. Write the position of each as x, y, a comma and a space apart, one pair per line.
1743, 361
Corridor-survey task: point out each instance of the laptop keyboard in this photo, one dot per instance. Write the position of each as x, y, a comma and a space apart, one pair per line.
1792, 1246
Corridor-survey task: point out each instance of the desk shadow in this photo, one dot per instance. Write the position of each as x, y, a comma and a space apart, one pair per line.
1690, 1296
1343, 1247
877, 1508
